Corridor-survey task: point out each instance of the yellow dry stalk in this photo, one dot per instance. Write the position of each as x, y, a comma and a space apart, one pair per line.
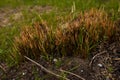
95, 20
31, 38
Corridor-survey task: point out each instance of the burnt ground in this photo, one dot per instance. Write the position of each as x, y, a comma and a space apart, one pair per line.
105, 66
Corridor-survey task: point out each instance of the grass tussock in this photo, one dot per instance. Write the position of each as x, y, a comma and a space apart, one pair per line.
82, 34
77, 37
34, 41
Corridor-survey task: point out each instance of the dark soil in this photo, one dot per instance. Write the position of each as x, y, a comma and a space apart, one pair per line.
105, 66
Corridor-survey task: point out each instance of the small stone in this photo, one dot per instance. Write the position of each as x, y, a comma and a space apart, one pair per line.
23, 73
81, 71
100, 65
55, 60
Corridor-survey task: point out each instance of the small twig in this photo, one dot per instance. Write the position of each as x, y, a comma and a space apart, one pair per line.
2, 68
95, 57
48, 71
72, 74
116, 59
74, 68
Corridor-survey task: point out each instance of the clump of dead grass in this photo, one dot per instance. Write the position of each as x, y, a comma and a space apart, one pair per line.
34, 41
77, 37
82, 34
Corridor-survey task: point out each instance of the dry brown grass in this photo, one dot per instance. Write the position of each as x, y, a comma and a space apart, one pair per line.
34, 41
84, 32
77, 37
